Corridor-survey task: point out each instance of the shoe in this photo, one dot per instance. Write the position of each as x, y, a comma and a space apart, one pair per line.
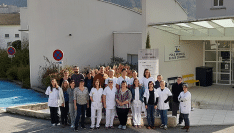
148, 127
53, 125
185, 127
111, 127
139, 126
63, 126
83, 127
120, 126
106, 128
124, 127
162, 126
91, 128
153, 127
76, 130
57, 124
135, 126
165, 127
97, 127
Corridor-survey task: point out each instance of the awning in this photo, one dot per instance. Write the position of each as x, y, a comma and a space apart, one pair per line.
221, 28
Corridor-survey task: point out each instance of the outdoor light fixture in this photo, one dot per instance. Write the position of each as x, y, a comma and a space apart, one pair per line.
70, 34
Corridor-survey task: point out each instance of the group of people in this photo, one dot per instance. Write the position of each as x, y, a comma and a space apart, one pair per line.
81, 96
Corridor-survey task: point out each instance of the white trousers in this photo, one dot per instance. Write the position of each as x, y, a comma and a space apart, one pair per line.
136, 115
110, 115
94, 115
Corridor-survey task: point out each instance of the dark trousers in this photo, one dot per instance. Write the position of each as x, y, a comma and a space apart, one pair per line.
122, 115
186, 119
150, 115
64, 113
54, 115
163, 114
175, 108
88, 110
80, 111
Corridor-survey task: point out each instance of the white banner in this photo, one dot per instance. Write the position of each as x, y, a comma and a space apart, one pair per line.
148, 58
175, 53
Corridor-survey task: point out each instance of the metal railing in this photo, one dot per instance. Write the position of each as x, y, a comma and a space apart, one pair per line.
134, 5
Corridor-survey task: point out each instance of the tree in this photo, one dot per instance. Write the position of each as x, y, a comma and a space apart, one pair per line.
17, 45
148, 41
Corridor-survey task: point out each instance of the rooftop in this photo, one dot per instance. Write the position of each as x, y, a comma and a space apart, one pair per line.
10, 19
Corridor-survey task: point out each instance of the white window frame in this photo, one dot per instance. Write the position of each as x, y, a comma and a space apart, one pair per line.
8, 35
218, 3
18, 36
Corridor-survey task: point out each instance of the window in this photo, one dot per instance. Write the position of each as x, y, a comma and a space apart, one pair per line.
16, 35
218, 2
7, 35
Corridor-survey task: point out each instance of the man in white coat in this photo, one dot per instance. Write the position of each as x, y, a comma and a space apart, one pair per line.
185, 105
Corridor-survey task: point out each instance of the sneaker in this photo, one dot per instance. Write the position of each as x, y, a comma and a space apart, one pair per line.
97, 127
135, 126
162, 126
148, 127
57, 124
106, 128
139, 126
124, 127
72, 126
112, 127
53, 125
153, 127
83, 127
76, 130
91, 128
120, 126
165, 127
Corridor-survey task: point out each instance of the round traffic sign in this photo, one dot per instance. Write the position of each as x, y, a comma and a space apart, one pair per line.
58, 55
11, 50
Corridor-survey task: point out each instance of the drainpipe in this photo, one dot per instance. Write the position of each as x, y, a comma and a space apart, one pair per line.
113, 35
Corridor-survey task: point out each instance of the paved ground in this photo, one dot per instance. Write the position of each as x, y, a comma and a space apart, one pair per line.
11, 123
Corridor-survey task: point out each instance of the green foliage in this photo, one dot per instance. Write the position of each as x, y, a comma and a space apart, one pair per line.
17, 45
5, 63
148, 41
12, 73
24, 75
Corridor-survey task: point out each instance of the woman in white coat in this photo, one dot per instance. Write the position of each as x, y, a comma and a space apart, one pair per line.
96, 105
163, 103
185, 105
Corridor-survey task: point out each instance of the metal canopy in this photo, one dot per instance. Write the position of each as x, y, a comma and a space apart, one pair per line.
221, 28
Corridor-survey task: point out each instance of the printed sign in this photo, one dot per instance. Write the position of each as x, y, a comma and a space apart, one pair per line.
173, 53
58, 55
11, 50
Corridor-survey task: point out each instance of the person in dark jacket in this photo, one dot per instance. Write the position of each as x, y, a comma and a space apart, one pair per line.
177, 88
157, 83
137, 101
89, 84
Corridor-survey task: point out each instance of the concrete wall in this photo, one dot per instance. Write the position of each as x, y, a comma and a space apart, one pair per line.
206, 9
91, 24
24, 23
11, 30
159, 39
128, 43
155, 11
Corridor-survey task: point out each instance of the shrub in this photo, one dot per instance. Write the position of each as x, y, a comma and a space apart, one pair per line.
26, 83
17, 44
12, 73
24, 75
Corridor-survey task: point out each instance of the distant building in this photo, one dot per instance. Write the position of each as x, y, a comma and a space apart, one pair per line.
9, 9
9, 26
214, 8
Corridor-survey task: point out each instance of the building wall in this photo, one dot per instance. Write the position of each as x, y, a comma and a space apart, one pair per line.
205, 9
91, 24
128, 43
159, 39
11, 30
155, 11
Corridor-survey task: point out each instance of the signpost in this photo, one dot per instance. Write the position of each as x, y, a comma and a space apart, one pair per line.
58, 56
11, 52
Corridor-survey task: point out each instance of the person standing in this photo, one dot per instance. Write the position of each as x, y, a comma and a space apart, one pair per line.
185, 106
89, 85
109, 103
65, 108
96, 106
151, 101
134, 75
101, 77
123, 98
55, 100
157, 83
77, 76
163, 103
147, 77
177, 88
72, 110
111, 76
65, 77
81, 102
137, 100
123, 77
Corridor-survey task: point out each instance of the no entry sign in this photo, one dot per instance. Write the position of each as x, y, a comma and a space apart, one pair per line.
58, 55
11, 50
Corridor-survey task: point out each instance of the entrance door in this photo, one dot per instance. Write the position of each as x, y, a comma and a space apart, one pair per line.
218, 56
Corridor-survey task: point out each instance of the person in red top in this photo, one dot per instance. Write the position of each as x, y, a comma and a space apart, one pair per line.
101, 76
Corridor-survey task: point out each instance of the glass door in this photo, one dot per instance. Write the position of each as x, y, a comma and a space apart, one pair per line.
218, 56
